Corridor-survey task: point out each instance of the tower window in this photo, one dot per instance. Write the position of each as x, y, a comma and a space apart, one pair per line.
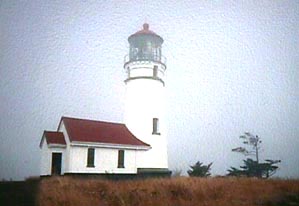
156, 126
121, 159
90, 157
155, 71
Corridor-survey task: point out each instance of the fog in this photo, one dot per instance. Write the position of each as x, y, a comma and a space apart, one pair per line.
232, 67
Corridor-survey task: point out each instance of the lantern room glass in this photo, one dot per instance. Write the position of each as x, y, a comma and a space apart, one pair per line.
146, 50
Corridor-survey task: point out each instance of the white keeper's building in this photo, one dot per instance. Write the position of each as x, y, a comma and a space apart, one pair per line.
136, 148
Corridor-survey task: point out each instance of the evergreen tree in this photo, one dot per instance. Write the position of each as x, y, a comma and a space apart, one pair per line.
200, 170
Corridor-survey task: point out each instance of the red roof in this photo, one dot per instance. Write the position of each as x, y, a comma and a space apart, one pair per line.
54, 137
84, 130
145, 30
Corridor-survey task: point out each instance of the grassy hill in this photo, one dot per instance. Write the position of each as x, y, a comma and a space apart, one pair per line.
168, 192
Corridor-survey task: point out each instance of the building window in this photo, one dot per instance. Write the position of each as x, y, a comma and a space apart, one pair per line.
90, 157
156, 126
121, 159
155, 72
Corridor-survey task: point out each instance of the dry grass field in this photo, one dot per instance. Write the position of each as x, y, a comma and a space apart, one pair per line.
168, 192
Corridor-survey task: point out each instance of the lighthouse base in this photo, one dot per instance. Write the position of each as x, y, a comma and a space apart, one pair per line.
153, 172
142, 173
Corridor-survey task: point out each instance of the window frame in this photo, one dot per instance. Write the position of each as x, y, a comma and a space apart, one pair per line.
121, 159
90, 157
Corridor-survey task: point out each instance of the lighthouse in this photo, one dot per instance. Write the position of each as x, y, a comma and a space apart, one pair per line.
145, 69
132, 149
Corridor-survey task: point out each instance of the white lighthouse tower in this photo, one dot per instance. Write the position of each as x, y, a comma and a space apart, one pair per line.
144, 109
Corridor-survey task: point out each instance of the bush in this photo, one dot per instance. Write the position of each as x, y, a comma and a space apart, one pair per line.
200, 170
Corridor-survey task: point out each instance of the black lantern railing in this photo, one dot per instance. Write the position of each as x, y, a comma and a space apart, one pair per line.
145, 57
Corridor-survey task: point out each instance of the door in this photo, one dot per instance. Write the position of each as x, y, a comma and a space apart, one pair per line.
56, 163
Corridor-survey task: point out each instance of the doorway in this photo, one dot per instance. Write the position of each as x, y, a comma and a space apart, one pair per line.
56, 163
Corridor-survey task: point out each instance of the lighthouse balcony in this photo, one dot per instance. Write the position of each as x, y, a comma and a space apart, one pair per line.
145, 58
145, 70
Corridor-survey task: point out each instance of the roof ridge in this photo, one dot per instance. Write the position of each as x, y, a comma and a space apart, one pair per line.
74, 118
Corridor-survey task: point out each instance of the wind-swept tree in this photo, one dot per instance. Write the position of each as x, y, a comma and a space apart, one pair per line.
253, 168
200, 170
252, 145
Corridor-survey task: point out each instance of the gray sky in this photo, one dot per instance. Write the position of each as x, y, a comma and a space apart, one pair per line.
232, 66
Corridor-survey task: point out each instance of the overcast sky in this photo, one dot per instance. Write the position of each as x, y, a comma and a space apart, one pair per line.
232, 67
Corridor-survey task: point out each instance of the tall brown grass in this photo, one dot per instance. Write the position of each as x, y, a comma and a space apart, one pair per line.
180, 191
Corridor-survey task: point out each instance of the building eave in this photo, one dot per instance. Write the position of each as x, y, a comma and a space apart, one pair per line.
56, 146
109, 145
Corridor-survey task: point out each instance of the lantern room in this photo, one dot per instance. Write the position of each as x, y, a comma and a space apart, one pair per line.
145, 59
145, 45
